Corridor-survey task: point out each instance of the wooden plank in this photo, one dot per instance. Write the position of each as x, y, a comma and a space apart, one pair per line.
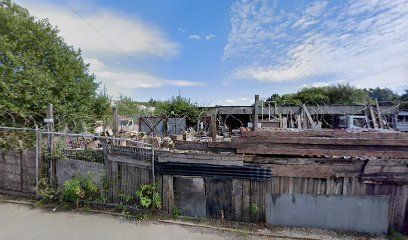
297, 151
275, 183
170, 193
322, 141
219, 198
314, 171
339, 186
166, 194
329, 133
304, 184
290, 184
237, 191
255, 200
346, 186
297, 187
246, 192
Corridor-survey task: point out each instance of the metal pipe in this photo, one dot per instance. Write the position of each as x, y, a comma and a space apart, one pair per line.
93, 136
15, 128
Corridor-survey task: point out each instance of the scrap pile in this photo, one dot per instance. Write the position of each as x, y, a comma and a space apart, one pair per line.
376, 157
392, 145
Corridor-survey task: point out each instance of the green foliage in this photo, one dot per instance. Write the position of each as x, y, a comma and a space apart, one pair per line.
80, 188
149, 196
254, 208
336, 94
176, 211
128, 107
38, 68
47, 193
382, 94
179, 106
125, 199
395, 235
10, 140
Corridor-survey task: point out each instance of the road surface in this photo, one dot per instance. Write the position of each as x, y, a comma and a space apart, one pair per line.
21, 222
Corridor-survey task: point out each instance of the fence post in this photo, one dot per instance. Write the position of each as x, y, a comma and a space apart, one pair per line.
37, 149
50, 128
115, 121
153, 177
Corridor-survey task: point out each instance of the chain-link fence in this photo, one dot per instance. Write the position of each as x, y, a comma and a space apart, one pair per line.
118, 166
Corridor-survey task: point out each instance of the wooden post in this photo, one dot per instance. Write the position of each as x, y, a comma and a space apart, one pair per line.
298, 122
213, 126
50, 128
115, 121
256, 112
380, 119
373, 118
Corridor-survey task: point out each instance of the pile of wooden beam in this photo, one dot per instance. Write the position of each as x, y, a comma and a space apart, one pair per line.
383, 145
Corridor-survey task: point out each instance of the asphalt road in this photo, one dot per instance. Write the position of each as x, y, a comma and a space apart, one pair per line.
24, 223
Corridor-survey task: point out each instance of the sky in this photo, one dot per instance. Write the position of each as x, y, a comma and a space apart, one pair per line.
223, 52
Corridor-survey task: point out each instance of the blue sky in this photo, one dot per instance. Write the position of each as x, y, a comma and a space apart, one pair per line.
224, 52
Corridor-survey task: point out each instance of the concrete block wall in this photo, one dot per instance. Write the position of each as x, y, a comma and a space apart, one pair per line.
17, 170
69, 168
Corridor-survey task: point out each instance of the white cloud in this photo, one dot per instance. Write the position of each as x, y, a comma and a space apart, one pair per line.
311, 15
209, 37
194, 37
242, 101
121, 81
362, 44
105, 32
107, 36
182, 30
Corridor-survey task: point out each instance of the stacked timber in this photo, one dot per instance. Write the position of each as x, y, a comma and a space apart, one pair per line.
375, 157
384, 145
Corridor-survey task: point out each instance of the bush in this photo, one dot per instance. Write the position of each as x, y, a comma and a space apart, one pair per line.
80, 188
149, 197
47, 193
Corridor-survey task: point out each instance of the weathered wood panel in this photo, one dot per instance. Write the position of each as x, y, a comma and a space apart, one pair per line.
219, 198
328, 134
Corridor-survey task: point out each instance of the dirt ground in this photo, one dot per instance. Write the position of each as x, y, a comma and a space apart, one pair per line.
24, 222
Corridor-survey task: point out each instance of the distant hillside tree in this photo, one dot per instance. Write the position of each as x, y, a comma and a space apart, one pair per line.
336, 94
128, 107
181, 107
38, 68
382, 94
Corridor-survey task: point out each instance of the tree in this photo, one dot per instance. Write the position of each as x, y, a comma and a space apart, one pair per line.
382, 94
404, 100
38, 68
336, 94
179, 106
128, 107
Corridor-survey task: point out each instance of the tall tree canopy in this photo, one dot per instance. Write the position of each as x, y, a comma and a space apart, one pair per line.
382, 94
38, 68
336, 94
179, 106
